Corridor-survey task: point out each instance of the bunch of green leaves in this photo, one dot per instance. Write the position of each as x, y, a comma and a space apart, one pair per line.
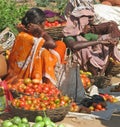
11, 14
61, 5
55, 5
42, 3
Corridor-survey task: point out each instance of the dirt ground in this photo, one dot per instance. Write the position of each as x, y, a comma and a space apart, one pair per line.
72, 122
81, 122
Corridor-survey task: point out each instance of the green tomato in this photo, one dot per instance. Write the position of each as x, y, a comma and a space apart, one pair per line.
24, 120
38, 124
60, 125
49, 125
22, 125
53, 124
27, 80
14, 125
16, 120
6, 123
38, 119
27, 125
47, 120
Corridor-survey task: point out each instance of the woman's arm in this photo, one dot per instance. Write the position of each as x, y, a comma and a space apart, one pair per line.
81, 44
49, 42
77, 45
38, 31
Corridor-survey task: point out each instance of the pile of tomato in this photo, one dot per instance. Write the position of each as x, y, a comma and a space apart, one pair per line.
55, 23
33, 87
43, 102
85, 80
37, 96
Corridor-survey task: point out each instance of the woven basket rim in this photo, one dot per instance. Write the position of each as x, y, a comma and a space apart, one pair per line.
55, 115
61, 107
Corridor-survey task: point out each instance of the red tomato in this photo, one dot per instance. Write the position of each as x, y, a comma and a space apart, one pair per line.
21, 90
56, 23
22, 104
103, 109
83, 76
99, 106
27, 107
53, 24
48, 24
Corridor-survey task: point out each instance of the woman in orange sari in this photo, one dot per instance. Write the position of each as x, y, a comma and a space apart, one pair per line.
34, 53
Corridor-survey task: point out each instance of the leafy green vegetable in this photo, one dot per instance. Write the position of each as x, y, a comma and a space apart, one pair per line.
11, 14
55, 5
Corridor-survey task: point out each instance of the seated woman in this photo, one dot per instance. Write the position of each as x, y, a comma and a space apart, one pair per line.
92, 44
34, 53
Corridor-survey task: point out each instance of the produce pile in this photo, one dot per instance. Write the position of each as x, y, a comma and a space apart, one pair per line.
53, 19
36, 96
39, 121
85, 78
92, 103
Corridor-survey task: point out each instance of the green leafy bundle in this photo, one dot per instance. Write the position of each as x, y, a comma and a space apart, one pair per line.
11, 14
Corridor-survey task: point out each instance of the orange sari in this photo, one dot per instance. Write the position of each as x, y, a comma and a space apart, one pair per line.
29, 59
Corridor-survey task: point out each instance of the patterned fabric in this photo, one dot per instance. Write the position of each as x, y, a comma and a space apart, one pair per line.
77, 13
82, 4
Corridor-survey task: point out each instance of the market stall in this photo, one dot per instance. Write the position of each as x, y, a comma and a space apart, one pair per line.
78, 99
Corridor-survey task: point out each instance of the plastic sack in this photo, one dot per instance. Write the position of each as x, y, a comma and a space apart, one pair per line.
5, 96
72, 85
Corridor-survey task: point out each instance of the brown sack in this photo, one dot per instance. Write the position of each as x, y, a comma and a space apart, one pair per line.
3, 66
113, 2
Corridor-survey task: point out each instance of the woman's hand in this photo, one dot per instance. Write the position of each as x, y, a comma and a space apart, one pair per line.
38, 31
35, 29
110, 42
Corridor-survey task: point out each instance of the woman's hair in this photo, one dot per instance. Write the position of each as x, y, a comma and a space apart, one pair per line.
34, 15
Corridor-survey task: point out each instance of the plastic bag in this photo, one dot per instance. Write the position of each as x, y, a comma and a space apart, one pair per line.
5, 96
72, 85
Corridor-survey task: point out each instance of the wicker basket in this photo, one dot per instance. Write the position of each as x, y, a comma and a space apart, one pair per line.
55, 32
113, 69
6, 39
101, 81
55, 115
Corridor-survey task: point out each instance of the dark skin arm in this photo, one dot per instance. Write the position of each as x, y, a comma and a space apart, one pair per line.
84, 44
77, 45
